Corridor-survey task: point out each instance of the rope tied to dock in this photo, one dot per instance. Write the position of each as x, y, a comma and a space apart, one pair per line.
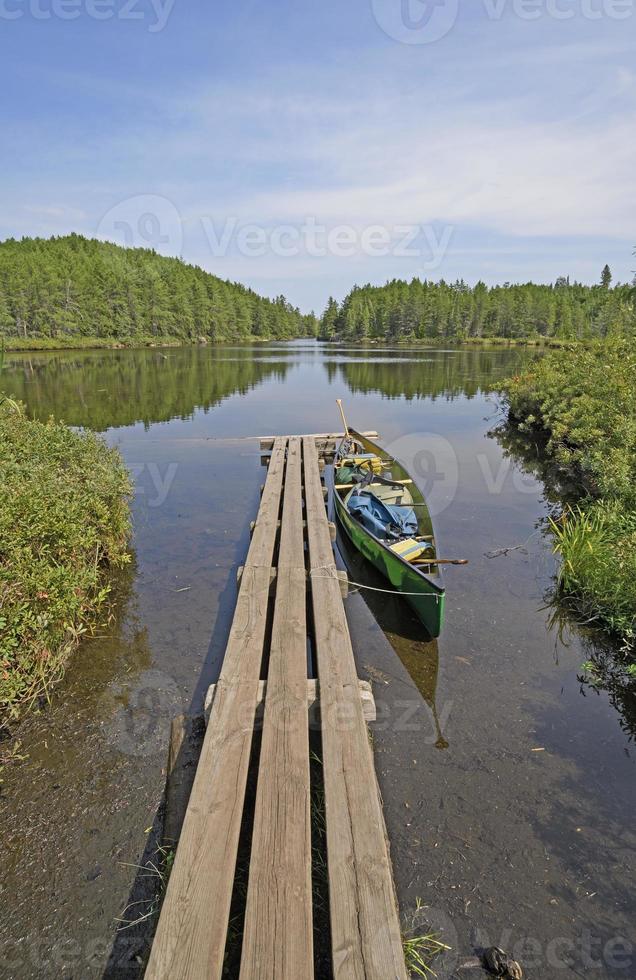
369, 588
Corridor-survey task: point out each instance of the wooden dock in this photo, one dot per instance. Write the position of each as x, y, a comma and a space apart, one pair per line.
289, 647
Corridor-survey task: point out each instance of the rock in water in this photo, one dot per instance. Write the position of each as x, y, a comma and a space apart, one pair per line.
501, 965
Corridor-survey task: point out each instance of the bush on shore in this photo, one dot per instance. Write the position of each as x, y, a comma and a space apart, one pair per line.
581, 404
64, 521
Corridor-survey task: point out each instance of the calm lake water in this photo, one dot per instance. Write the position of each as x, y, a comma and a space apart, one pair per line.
508, 783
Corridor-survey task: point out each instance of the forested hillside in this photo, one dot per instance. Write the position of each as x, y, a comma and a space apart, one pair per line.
74, 288
444, 311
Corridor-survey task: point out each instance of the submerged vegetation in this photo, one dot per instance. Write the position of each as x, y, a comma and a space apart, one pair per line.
74, 291
64, 520
422, 310
579, 405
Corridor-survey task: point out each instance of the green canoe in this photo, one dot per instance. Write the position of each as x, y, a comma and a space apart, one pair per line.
422, 588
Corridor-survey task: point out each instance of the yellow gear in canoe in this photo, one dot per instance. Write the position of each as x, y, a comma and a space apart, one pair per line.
365, 461
410, 549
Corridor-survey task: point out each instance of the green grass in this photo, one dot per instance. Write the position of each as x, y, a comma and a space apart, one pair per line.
88, 343
580, 405
531, 341
64, 524
456, 341
108, 343
421, 950
597, 574
147, 908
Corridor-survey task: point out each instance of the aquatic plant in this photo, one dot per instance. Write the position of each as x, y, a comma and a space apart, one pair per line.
597, 573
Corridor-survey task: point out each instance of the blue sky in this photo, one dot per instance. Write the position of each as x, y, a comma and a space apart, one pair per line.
302, 147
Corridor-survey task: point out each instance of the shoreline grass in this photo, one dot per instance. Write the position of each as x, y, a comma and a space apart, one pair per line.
457, 342
64, 524
580, 405
36, 344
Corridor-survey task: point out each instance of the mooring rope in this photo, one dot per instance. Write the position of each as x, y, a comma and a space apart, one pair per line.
370, 588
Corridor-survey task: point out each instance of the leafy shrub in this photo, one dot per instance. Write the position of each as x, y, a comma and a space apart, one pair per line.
64, 519
582, 404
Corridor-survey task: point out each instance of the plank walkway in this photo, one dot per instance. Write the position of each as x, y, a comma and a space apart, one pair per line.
190, 942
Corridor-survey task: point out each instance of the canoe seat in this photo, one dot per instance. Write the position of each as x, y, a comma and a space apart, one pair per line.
364, 461
399, 496
410, 548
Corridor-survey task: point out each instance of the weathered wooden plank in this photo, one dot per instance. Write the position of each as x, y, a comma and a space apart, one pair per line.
343, 578
267, 442
332, 528
191, 934
366, 940
325, 491
277, 938
183, 757
313, 700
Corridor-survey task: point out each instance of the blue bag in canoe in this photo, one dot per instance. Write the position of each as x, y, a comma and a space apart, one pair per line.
382, 520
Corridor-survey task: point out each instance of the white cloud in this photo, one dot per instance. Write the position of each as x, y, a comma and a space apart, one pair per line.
527, 144
480, 169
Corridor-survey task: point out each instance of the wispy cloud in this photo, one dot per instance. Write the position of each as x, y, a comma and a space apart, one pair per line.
507, 143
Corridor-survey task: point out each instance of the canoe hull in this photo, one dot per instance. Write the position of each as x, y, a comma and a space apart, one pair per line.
425, 597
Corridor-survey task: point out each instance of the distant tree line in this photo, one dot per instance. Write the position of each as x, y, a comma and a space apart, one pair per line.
77, 287
455, 311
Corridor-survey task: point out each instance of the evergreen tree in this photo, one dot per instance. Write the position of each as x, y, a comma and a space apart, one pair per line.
76, 287
401, 310
329, 320
606, 277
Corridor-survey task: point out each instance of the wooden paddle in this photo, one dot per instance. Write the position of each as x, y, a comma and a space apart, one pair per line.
440, 561
344, 421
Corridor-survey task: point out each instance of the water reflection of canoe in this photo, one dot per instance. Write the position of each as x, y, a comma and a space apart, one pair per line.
421, 584
418, 653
